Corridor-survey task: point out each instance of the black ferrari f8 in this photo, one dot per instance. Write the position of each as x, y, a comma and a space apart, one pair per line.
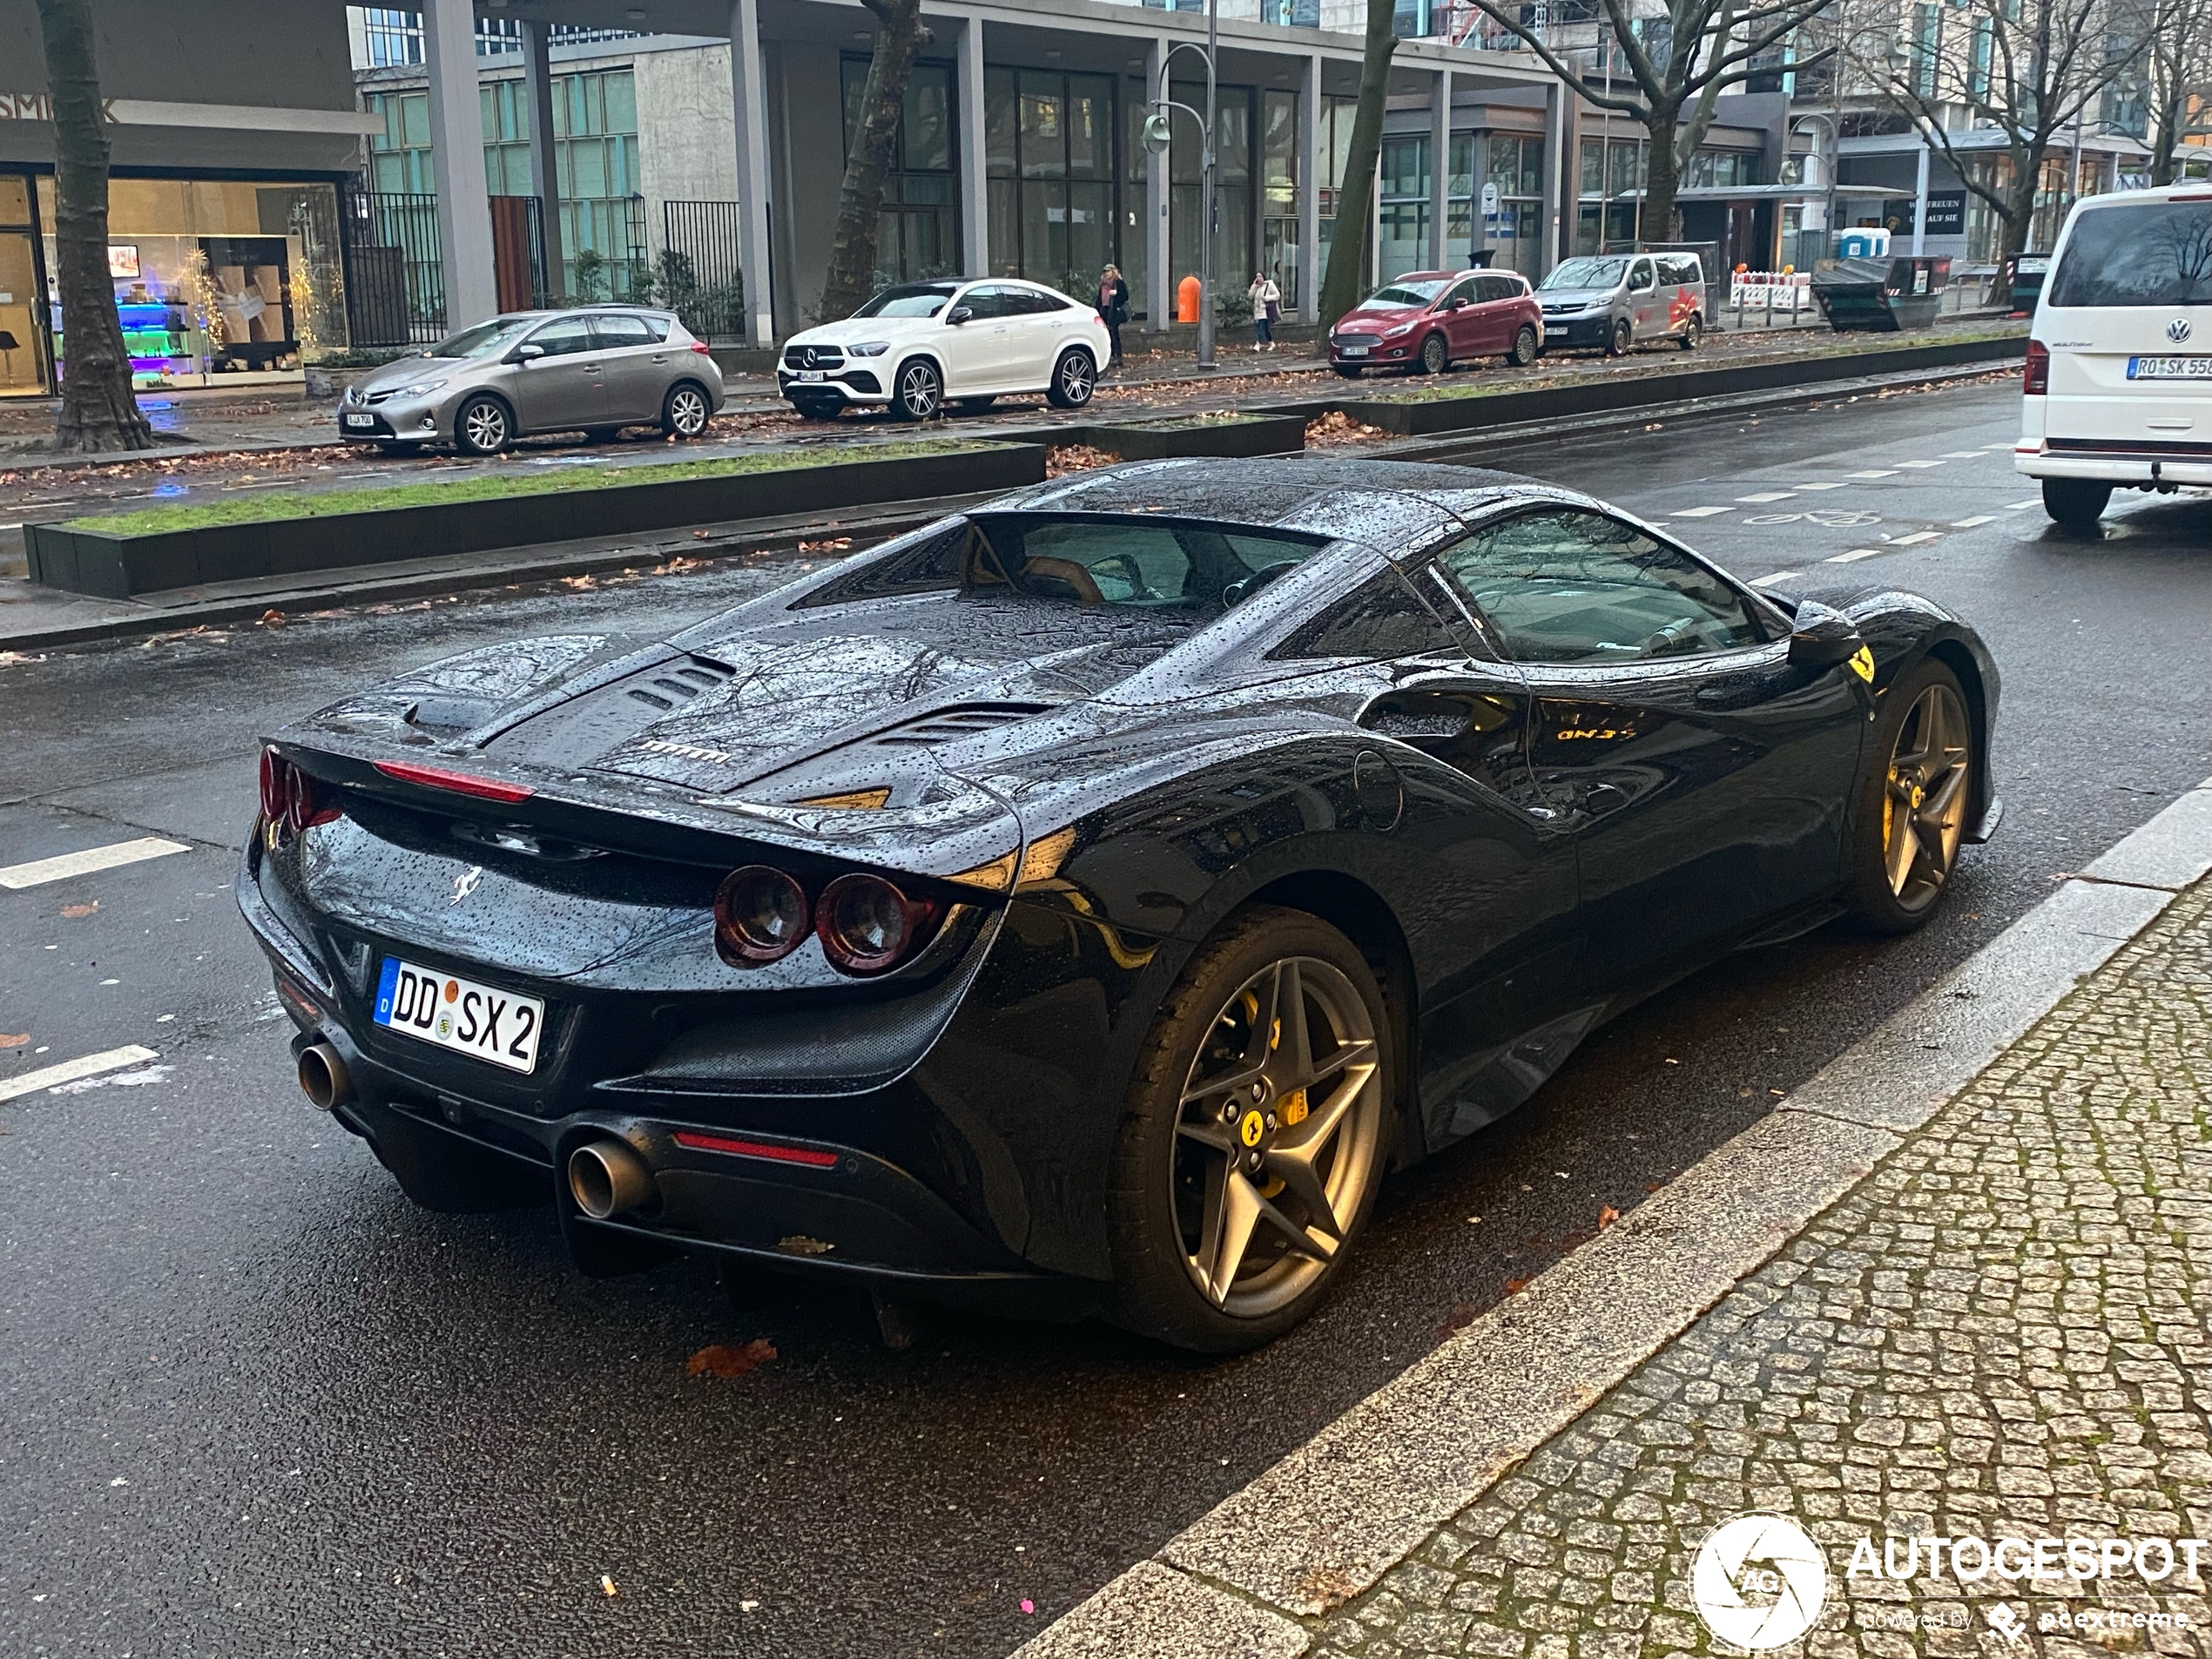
1081, 903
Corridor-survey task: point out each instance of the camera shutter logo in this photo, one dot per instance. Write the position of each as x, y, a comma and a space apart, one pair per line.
1759, 1581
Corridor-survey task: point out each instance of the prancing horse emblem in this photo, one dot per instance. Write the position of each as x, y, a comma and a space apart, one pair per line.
465, 883
2178, 330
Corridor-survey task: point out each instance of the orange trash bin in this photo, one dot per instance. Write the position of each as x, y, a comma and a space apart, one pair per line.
1186, 299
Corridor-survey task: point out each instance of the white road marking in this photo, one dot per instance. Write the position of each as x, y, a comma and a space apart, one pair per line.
68, 1071
1766, 581
1916, 538
93, 858
1968, 523
1831, 483
1697, 512
1919, 466
1997, 446
1876, 473
1855, 554
2018, 505
1963, 455
1767, 495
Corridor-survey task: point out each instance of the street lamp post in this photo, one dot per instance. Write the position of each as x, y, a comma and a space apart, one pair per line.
1159, 132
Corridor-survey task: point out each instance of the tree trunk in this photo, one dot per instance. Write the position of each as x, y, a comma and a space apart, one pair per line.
2165, 143
1662, 179
860, 203
2020, 221
1346, 281
98, 412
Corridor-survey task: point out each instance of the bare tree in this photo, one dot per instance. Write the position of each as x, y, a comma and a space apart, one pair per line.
898, 36
2177, 73
1349, 245
2028, 69
98, 411
1679, 62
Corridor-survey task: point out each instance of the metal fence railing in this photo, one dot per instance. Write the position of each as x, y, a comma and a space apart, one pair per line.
698, 275
394, 284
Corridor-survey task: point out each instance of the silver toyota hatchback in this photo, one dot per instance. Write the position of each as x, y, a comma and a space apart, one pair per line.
595, 369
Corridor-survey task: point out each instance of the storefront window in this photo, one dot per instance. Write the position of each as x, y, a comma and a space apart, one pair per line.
918, 233
1050, 179
1516, 167
21, 363
220, 280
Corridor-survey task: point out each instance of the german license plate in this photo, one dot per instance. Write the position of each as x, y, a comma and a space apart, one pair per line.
1352, 351
366, 421
458, 1014
2169, 368
811, 373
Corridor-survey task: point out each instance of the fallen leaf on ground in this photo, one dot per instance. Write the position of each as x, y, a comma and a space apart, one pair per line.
721, 1360
272, 618
1515, 1286
1338, 427
73, 910
699, 535
1462, 1315
1064, 458
836, 545
14, 1042
1606, 1216
606, 1584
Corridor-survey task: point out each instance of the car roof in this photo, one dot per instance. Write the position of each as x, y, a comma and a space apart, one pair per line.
1390, 504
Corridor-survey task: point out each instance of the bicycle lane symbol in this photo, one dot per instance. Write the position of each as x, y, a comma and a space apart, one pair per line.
1831, 518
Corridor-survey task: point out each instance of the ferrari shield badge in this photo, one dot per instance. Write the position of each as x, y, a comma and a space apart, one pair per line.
1862, 664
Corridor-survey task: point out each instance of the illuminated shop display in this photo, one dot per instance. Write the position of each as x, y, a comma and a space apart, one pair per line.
217, 281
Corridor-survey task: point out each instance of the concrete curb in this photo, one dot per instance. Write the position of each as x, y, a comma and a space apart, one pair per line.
1323, 1525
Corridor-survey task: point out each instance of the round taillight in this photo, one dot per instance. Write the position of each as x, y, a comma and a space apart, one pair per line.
276, 786
760, 915
866, 925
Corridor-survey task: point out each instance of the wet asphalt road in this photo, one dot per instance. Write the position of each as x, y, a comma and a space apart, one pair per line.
256, 1403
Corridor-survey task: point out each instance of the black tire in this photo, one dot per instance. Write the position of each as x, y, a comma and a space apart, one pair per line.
1692, 331
1525, 348
917, 390
399, 451
1154, 1204
2076, 503
602, 435
1436, 356
817, 408
977, 405
686, 409
1075, 377
482, 426
1878, 904
1622, 337
1350, 371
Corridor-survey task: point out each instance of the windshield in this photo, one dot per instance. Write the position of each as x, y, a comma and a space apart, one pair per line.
1402, 294
1587, 272
484, 339
909, 300
2148, 254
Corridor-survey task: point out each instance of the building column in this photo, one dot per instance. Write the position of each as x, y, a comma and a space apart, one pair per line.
974, 191
1920, 202
457, 163
1555, 237
545, 172
1439, 172
749, 102
1159, 280
1308, 193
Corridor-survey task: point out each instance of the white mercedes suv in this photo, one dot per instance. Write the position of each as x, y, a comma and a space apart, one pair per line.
2119, 384
922, 345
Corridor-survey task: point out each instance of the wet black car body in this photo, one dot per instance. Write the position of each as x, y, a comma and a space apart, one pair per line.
1078, 794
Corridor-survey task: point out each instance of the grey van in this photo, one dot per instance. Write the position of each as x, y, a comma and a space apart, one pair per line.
1613, 301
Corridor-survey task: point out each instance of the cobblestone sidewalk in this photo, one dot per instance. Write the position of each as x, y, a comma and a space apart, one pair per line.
2001, 1334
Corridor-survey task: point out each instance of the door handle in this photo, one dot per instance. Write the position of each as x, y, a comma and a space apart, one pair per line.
660, 357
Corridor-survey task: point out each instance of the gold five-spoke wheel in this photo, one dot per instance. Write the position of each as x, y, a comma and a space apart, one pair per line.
1277, 1136
1925, 796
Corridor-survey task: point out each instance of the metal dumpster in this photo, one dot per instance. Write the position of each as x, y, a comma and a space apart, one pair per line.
1882, 295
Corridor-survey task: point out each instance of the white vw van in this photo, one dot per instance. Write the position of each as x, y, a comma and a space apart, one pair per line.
2119, 384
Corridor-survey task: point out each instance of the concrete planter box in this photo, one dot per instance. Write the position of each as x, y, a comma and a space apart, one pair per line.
1248, 434
1420, 417
120, 566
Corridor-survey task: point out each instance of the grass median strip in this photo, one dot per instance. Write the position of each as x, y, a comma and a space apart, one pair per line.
261, 509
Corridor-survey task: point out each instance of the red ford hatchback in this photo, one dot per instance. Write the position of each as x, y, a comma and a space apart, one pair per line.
1427, 320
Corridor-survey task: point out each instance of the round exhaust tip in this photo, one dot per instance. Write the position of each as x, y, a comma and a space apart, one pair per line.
606, 1178
323, 1076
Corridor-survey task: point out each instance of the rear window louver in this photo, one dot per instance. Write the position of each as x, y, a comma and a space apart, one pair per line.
678, 683
949, 725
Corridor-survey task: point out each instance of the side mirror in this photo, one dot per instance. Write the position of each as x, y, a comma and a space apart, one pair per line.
526, 354
1453, 303
958, 316
1823, 637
